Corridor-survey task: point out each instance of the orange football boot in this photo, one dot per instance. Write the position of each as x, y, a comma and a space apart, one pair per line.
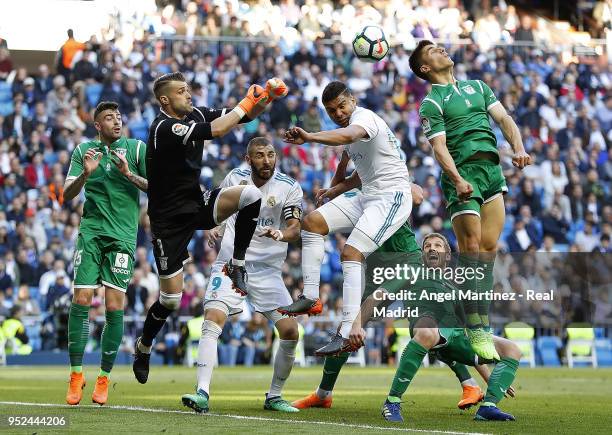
75, 388
470, 397
100, 393
312, 401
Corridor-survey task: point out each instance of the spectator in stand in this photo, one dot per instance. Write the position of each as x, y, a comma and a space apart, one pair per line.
66, 54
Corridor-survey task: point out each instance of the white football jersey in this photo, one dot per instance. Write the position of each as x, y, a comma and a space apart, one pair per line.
279, 192
377, 159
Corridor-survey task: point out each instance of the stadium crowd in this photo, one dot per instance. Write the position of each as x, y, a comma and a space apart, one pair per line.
562, 203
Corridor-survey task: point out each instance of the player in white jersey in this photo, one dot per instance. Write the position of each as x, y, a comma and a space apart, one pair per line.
371, 217
279, 223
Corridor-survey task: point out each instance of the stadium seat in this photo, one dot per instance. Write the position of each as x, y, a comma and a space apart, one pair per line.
357, 358
92, 93
522, 335
547, 349
580, 346
603, 352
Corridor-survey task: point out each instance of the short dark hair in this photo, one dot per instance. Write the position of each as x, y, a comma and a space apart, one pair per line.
105, 105
70, 33
162, 81
333, 90
257, 141
416, 58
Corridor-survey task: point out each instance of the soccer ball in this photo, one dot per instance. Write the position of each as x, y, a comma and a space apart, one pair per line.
370, 45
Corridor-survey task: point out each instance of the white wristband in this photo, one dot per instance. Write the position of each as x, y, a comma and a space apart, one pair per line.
239, 111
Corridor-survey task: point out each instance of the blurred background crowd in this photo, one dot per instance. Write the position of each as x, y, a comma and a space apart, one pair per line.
562, 104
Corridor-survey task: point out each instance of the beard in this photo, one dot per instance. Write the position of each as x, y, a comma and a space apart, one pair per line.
258, 172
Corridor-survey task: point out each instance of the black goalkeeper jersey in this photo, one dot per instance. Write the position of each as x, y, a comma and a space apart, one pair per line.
174, 161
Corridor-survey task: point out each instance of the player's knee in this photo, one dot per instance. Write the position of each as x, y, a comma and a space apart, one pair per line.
248, 196
82, 298
471, 244
171, 301
290, 333
114, 305
487, 245
349, 253
314, 223
211, 330
426, 337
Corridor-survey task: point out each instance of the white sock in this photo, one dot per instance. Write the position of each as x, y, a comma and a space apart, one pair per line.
313, 250
351, 295
207, 354
323, 394
283, 363
469, 382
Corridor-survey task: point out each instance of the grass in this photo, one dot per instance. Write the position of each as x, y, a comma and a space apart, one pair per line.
548, 400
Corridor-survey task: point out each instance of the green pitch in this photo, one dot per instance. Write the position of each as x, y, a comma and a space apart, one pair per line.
548, 400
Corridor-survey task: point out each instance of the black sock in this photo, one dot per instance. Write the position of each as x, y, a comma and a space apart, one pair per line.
246, 222
156, 318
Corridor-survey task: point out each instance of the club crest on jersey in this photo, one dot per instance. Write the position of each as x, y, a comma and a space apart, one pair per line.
121, 151
271, 201
206, 196
425, 125
180, 129
469, 89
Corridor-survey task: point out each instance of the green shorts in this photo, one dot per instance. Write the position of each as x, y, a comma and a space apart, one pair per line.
456, 348
486, 178
101, 260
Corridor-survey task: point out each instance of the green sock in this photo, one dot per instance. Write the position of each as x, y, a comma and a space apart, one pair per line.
501, 379
78, 333
76, 369
104, 373
331, 370
486, 284
409, 364
470, 307
461, 371
111, 338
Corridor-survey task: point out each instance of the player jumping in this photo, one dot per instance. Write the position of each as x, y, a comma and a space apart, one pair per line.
403, 241
177, 205
455, 120
280, 215
112, 169
372, 216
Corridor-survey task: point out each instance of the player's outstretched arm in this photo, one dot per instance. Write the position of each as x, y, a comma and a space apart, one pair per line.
337, 137
85, 166
511, 132
443, 157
